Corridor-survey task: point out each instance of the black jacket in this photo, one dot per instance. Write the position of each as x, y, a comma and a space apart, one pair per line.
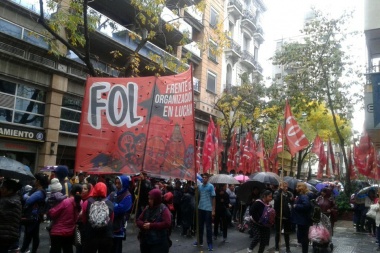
10, 217
287, 201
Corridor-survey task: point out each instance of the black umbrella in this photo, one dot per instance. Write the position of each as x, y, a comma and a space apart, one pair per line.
292, 182
265, 178
13, 169
244, 191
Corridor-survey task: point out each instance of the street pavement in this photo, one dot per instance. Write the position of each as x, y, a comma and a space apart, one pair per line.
345, 240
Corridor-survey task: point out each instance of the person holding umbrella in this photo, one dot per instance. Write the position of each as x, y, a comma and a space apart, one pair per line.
222, 213
283, 214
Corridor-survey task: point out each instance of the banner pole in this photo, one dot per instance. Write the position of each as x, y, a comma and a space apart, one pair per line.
282, 179
195, 159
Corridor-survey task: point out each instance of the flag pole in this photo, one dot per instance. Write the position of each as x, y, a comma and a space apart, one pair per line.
195, 159
282, 176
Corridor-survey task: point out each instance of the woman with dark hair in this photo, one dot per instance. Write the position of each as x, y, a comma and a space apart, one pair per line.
327, 204
32, 212
10, 214
300, 215
260, 233
63, 218
154, 224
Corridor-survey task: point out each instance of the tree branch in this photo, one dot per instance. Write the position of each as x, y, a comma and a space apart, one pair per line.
41, 20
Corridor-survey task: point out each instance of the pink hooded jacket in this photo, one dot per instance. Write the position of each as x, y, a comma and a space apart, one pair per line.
64, 217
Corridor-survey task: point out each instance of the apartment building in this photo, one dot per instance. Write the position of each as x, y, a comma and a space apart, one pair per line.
372, 89
244, 28
41, 95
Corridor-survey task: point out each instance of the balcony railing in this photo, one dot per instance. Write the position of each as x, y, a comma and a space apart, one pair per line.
235, 8
192, 10
249, 20
118, 33
193, 48
22, 33
168, 16
234, 46
248, 59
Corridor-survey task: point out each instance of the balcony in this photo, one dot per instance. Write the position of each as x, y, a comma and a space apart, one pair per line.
259, 35
197, 85
233, 51
259, 69
194, 18
123, 12
175, 4
248, 21
248, 60
235, 8
194, 50
178, 23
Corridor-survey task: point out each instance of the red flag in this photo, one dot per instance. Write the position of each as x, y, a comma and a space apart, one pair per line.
351, 171
316, 149
294, 135
219, 139
209, 147
278, 145
232, 150
198, 157
319, 149
361, 154
248, 155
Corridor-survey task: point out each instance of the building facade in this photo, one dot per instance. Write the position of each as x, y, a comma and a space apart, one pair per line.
372, 91
244, 28
41, 95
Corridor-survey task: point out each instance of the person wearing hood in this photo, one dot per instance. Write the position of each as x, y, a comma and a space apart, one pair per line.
328, 206
10, 214
97, 239
122, 201
61, 172
154, 224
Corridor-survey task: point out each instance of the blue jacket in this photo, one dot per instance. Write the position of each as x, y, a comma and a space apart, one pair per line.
122, 201
301, 210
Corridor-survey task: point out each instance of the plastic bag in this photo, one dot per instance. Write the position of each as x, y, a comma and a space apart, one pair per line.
319, 234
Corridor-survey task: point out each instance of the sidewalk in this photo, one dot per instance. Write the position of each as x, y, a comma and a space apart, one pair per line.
345, 240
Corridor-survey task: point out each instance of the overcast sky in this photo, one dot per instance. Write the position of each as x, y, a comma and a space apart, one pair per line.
284, 19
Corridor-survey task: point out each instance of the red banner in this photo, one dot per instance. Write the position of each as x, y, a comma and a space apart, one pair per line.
334, 166
133, 124
294, 135
278, 145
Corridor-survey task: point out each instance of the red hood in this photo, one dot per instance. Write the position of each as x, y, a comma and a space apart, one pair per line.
100, 190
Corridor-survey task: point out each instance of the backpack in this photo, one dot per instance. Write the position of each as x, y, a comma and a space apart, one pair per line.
98, 214
268, 217
315, 212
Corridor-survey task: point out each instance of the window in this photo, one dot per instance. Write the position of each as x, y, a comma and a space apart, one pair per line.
21, 104
213, 47
214, 16
70, 114
211, 82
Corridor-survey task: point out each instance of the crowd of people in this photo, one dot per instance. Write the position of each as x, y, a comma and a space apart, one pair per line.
97, 208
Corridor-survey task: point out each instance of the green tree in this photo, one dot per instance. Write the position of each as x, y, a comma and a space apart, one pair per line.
240, 106
321, 71
71, 24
